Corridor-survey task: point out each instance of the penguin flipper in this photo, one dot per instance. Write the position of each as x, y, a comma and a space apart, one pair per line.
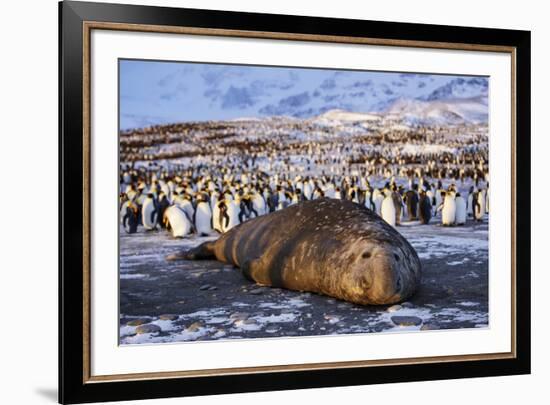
226, 216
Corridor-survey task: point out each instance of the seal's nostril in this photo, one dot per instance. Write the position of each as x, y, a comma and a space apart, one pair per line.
396, 256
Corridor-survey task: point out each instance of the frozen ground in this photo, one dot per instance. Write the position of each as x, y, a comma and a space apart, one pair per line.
164, 301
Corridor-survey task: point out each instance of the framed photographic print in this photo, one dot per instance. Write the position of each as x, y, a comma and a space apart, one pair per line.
255, 202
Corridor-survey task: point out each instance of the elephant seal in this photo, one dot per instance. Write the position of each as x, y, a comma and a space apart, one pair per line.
326, 246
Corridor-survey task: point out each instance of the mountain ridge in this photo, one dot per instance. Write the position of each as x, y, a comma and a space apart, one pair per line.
157, 92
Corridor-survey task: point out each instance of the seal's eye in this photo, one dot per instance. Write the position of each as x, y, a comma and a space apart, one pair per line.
396, 257
366, 255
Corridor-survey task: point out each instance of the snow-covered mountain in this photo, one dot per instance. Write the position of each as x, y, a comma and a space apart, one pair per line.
163, 92
445, 111
460, 88
346, 116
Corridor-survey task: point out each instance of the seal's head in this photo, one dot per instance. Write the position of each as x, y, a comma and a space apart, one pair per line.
381, 273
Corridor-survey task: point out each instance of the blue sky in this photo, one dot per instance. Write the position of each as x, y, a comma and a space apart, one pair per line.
158, 92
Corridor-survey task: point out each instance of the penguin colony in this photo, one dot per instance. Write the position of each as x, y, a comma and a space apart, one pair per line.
206, 178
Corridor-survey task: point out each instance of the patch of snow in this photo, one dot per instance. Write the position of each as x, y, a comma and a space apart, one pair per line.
346, 116
468, 304
290, 303
217, 320
282, 318
131, 276
240, 304
242, 325
126, 330
165, 325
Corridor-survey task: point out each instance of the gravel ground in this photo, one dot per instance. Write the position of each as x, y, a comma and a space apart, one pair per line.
164, 301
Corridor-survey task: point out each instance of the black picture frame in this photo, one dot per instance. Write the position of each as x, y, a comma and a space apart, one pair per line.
73, 385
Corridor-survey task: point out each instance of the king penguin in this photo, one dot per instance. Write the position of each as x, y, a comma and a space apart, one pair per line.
149, 213
377, 198
218, 212
425, 208
368, 200
186, 205
203, 217
460, 217
448, 212
130, 219
479, 208
176, 220
388, 209
232, 212
258, 203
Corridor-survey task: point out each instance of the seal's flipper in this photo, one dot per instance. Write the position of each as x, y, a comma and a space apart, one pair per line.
246, 268
204, 251
253, 270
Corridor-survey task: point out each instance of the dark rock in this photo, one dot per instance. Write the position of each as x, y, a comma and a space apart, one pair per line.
394, 308
148, 328
168, 317
235, 316
249, 321
195, 326
124, 320
332, 318
430, 326
406, 320
137, 322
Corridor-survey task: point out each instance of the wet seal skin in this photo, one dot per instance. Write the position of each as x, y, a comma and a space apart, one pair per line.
326, 246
